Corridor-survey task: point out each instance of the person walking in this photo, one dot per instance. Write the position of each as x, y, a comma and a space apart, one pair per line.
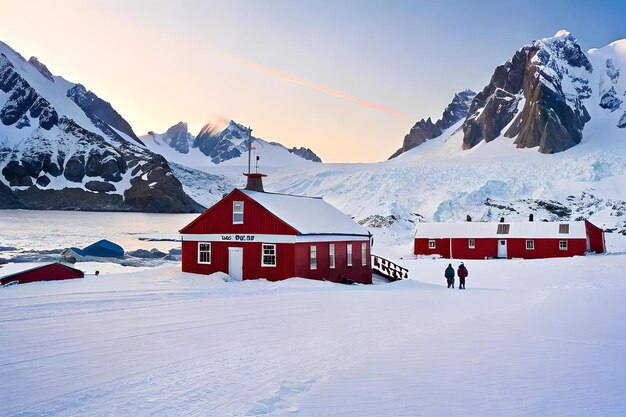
449, 274
462, 273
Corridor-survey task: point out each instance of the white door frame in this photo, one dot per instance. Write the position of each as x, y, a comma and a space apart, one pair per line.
502, 248
235, 263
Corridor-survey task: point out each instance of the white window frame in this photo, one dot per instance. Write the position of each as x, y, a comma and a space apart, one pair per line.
363, 254
349, 254
236, 212
331, 256
200, 251
563, 244
312, 257
530, 244
272, 247
432, 244
471, 243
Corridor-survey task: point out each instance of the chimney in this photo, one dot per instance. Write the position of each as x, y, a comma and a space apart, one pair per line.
468, 218
501, 219
255, 182
531, 217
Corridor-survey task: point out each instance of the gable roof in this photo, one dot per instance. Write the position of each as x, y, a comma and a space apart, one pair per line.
308, 215
10, 270
538, 230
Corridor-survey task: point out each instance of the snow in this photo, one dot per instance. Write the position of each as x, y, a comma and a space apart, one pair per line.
518, 342
489, 230
307, 215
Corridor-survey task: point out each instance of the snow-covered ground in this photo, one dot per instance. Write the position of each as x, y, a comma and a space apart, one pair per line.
527, 338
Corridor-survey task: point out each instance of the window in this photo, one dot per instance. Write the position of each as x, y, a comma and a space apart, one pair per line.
349, 254
363, 254
562, 244
204, 253
564, 229
331, 255
237, 212
313, 257
431, 244
269, 255
503, 229
530, 244
471, 243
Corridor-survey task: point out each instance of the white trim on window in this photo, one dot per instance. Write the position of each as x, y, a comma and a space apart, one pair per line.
237, 212
204, 253
268, 255
562, 244
313, 257
331, 255
349, 254
363, 254
432, 244
530, 244
471, 243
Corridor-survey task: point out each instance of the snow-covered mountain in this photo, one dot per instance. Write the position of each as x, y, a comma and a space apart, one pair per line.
214, 146
62, 147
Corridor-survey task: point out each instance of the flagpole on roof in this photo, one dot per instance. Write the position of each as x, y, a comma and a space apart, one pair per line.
249, 148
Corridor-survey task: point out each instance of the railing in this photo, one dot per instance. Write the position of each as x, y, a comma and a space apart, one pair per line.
388, 269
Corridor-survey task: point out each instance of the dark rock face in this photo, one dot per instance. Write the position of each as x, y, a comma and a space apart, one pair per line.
305, 153
552, 118
43, 181
179, 138
424, 130
100, 112
220, 146
147, 254
75, 168
609, 100
41, 68
100, 186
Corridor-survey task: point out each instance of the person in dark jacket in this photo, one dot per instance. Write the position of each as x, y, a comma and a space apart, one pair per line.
462, 273
449, 274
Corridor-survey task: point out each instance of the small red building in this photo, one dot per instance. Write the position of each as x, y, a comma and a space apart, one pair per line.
30, 272
528, 240
252, 234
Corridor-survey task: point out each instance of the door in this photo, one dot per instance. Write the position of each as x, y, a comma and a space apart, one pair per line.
235, 263
502, 249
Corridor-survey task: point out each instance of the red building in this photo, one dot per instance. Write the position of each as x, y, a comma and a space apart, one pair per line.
529, 240
30, 272
255, 234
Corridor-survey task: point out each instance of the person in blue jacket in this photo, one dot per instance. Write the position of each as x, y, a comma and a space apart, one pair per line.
449, 274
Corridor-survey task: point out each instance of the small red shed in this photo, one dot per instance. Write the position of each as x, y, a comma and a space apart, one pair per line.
528, 240
252, 234
30, 272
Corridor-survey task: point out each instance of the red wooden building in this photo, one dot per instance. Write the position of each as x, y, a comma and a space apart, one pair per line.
255, 234
529, 240
30, 272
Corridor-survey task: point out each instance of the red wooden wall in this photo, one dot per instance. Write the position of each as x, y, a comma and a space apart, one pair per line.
251, 260
46, 273
356, 272
256, 219
596, 237
488, 247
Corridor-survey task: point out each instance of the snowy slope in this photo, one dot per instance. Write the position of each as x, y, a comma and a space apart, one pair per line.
162, 342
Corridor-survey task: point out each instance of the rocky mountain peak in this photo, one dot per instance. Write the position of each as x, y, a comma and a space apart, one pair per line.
536, 97
41, 68
424, 130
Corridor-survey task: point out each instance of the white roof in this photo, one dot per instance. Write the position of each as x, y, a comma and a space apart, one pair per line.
16, 268
308, 215
536, 230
